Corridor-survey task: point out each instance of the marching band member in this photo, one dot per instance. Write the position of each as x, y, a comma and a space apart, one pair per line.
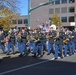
43, 35
10, 42
50, 36
31, 40
37, 41
24, 41
58, 44
19, 43
2, 41
38, 46
74, 40
67, 43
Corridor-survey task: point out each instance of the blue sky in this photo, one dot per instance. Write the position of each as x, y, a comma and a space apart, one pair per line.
24, 7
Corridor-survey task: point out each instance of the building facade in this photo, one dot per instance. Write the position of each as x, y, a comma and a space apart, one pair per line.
65, 9
21, 21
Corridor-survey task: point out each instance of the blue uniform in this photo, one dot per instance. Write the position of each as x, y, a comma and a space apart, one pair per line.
58, 47
38, 45
32, 43
73, 41
23, 42
2, 42
51, 42
67, 45
11, 43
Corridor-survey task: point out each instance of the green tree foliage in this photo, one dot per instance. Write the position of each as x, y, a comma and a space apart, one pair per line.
56, 20
8, 11
7, 17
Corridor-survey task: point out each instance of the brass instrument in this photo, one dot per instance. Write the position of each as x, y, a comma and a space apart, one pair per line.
66, 41
36, 38
32, 38
28, 37
48, 36
19, 37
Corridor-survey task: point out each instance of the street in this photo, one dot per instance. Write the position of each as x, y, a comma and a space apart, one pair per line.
45, 65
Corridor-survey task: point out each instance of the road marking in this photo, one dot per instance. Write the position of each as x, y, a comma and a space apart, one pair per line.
13, 70
24, 67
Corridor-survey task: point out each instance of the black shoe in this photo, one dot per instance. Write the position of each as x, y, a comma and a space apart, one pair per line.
25, 54
41, 55
69, 54
64, 55
29, 51
20, 55
55, 58
61, 57
7, 54
34, 56
13, 53
48, 54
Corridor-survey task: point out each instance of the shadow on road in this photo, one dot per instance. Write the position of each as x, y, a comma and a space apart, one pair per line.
54, 67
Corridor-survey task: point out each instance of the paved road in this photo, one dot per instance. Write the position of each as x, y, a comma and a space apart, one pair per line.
38, 66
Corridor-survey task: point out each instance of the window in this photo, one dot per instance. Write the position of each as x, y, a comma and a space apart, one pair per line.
50, 18
71, 19
25, 21
71, 9
64, 1
64, 19
57, 2
71, 1
51, 11
64, 10
52, 2
57, 10
20, 21
14, 21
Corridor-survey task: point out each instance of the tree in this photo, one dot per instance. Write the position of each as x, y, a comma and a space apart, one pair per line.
56, 20
9, 10
6, 19
10, 4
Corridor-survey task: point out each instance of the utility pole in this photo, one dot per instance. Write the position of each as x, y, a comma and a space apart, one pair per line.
29, 12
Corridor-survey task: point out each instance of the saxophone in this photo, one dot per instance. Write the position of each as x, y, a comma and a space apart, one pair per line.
19, 37
48, 36
32, 38
66, 40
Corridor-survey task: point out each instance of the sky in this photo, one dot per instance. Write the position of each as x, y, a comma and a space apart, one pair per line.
23, 7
